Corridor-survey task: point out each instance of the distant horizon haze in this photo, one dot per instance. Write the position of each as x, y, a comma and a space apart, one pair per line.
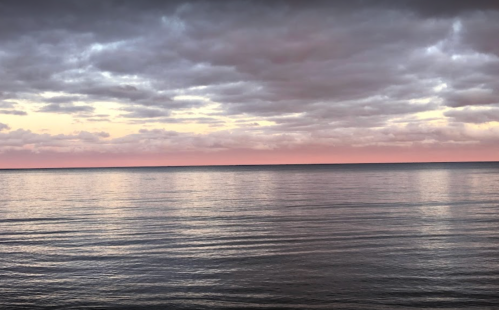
28, 160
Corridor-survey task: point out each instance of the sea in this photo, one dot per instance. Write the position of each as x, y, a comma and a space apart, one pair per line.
359, 236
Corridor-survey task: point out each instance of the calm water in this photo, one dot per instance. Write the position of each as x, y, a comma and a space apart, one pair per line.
389, 236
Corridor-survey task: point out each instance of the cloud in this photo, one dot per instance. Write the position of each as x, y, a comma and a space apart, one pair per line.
445, 8
27, 140
7, 107
476, 116
472, 97
62, 99
4, 127
6, 104
168, 141
65, 108
13, 112
318, 55
143, 112
213, 122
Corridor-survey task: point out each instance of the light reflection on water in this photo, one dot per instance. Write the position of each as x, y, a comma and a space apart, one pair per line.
349, 237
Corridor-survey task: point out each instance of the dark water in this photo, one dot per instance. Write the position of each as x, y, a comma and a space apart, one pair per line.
277, 237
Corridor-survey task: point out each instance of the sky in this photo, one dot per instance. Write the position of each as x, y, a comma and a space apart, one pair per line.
147, 83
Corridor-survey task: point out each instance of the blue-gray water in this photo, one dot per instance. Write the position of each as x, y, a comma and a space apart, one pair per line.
390, 236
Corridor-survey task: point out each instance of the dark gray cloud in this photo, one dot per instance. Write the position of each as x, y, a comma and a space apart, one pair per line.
472, 97
479, 116
13, 112
443, 8
65, 108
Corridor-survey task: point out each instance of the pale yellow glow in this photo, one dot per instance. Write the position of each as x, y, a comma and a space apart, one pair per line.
435, 118
51, 94
110, 113
422, 100
265, 123
491, 126
436, 115
190, 97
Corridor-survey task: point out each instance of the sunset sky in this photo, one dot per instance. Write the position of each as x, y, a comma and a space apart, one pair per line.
141, 83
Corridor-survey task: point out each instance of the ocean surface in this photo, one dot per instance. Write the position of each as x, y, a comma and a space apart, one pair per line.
373, 236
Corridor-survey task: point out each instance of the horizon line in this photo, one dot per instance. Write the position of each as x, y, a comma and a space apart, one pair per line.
251, 165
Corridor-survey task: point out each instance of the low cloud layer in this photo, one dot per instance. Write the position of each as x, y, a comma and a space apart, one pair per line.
271, 75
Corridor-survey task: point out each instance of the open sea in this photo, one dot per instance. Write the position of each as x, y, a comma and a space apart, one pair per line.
367, 236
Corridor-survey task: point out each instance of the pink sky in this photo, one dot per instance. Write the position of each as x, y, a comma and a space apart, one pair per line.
23, 159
